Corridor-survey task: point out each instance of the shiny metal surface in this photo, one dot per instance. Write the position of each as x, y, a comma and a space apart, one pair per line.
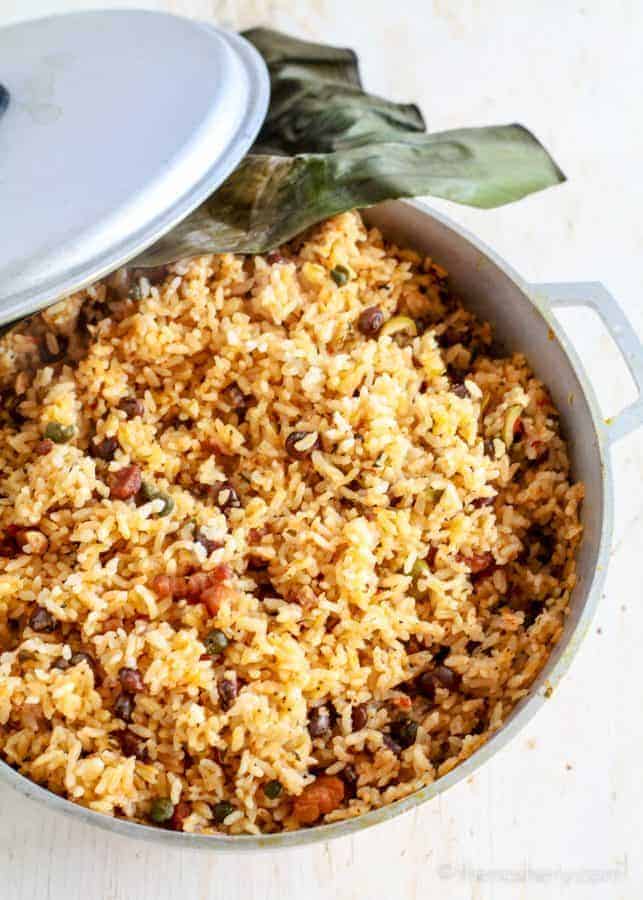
523, 319
120, 123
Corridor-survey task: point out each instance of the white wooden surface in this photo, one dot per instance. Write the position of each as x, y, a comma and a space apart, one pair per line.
558, 813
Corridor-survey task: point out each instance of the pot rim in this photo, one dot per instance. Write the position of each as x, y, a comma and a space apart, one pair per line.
519, 716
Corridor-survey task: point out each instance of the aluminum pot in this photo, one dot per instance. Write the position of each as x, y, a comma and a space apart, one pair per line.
523, 319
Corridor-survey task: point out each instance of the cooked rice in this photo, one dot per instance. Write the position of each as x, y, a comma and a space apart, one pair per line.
322, 606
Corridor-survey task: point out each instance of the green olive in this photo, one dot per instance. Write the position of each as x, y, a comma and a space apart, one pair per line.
396, 324
168, 503
150, 492
419, 571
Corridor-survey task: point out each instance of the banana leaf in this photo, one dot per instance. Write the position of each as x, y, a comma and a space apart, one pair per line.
327, 146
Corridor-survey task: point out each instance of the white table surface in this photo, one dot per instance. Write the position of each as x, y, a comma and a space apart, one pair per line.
558, 813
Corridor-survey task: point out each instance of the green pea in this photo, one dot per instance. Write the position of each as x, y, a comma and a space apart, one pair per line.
272, 789
150, 492
162, 810
221, 811
215, 642
340, 275
58, 433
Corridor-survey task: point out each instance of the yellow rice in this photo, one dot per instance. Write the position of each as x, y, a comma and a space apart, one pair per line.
399, 473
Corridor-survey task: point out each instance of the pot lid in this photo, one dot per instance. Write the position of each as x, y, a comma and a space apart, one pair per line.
119, 123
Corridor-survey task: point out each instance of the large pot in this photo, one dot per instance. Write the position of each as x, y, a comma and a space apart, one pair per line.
523, 319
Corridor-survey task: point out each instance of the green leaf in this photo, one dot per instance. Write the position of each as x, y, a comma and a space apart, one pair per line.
270, 199
280, 49
327, 146
317, 104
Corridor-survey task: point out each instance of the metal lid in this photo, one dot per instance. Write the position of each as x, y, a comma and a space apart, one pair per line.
119, 124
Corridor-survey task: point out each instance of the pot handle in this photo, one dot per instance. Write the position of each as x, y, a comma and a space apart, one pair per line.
596, 296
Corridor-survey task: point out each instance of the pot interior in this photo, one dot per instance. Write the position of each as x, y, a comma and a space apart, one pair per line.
492, 291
